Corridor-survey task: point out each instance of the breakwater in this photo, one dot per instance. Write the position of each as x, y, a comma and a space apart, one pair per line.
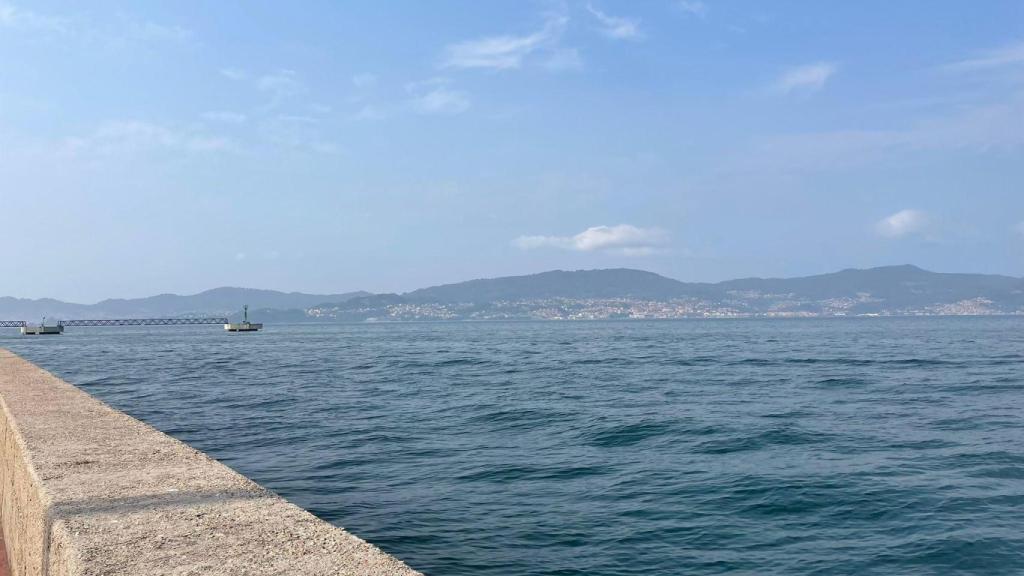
86, 489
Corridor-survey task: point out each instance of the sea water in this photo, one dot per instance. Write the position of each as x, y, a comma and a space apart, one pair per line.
831, 446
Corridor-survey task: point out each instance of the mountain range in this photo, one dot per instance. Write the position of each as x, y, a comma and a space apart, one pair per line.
609, 293
216, 302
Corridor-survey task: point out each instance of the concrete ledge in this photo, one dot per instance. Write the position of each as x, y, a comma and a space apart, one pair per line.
88, 490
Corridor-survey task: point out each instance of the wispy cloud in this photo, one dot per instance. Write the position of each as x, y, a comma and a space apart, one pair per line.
902, 224
1009, 55
1019, 228
617, 27
693, 7
287, 119
805, 79
564, 59
502, 52
236, 74
126, 137
622, 239
281, 84
363, 81
977, 129
149, 31
370, 112
435, 96
14, 17
121, 31
297, 132
224, 116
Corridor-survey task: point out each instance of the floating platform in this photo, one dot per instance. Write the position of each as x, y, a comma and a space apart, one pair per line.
243, 327
41, 330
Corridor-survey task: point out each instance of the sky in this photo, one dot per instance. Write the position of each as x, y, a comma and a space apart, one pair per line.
153, 147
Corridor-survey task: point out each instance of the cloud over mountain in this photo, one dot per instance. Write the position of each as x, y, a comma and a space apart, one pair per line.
624, 239
902, 223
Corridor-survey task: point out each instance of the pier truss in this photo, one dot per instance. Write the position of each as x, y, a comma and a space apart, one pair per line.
12, 323
144, 322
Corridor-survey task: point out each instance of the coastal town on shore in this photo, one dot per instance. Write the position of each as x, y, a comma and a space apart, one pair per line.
630, 309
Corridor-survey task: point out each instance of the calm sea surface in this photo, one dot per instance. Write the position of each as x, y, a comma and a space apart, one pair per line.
845, 446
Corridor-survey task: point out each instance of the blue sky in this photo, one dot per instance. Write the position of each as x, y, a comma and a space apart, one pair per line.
327, 146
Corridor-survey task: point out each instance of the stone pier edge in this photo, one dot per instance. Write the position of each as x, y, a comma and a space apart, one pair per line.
88, 490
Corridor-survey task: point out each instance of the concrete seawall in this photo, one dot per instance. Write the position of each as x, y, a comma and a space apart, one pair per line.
88, 490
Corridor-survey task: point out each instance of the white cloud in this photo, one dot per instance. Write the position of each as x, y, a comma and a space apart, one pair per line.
805, 79
434, 96
234, 74
901, 224
502, 52
694, 7
224, 116
622, 239
617, 27
1010, 55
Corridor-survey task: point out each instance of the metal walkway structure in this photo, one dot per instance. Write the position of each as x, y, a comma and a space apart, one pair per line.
144, 322
58, 328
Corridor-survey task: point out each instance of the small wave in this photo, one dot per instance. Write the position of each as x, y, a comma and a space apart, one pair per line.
780, 436
506, 474
461, 362
510, 419
614, 361
841, 383
980, 460
928, 444
923, 362
957, 424
1000, 472
629, 434
954, 554
753, 362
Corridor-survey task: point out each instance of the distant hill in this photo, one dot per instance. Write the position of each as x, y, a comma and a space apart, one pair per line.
219, 301
585, 294
873, 290
895, 286
613, 283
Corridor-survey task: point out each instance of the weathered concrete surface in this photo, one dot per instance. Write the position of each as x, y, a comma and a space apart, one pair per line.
88, 490
4, 571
